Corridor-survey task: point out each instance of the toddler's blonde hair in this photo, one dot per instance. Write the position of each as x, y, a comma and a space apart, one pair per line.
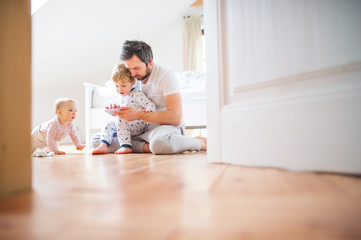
60, 102
122, 74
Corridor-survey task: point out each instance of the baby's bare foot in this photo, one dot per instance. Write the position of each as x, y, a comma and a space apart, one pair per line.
101, 149
59, 153
203, 141
124, 150
80, 147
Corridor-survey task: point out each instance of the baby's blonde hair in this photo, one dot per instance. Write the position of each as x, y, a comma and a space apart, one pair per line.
122, 74
60, 102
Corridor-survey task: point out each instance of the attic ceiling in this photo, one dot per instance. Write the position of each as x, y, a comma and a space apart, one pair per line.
193, 5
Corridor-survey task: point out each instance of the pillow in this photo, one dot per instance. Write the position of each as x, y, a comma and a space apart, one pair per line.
191, 79
109, 83
104, 96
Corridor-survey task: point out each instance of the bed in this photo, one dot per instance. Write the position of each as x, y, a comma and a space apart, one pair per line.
193, 90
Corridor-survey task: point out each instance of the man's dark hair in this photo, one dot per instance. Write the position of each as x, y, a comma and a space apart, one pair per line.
139, 48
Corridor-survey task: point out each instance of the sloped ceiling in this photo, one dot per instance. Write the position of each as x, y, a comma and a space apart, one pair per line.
110, 17
94, 27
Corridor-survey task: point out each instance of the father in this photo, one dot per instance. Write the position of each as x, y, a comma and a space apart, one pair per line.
166, 134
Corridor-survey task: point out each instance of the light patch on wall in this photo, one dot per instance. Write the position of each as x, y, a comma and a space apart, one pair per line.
36, 4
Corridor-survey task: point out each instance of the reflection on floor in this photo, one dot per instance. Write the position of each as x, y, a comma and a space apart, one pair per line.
182, 196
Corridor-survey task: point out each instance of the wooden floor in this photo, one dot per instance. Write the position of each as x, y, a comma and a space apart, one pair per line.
141, 196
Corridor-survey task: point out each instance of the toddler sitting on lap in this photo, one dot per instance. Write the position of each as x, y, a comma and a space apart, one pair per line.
124, 83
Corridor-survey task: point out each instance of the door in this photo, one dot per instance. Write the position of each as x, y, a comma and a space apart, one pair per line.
284, 84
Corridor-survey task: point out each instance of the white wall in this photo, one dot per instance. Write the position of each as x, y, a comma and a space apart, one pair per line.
77, 41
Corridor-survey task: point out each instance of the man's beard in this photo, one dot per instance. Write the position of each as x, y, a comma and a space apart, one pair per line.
145, 76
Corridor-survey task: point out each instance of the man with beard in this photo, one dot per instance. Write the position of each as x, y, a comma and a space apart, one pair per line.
166, 133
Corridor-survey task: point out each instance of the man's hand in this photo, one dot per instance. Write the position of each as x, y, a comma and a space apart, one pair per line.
129, 113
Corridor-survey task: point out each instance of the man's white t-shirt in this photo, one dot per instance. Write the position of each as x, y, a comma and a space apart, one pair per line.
162, 82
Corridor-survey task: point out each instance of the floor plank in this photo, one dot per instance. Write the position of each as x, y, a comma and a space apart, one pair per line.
182, 196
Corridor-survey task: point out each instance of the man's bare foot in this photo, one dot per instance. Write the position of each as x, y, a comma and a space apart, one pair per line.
203, 141
146, 148
124, 150
101, 149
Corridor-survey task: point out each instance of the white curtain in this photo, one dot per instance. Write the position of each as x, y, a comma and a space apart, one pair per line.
192, 44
